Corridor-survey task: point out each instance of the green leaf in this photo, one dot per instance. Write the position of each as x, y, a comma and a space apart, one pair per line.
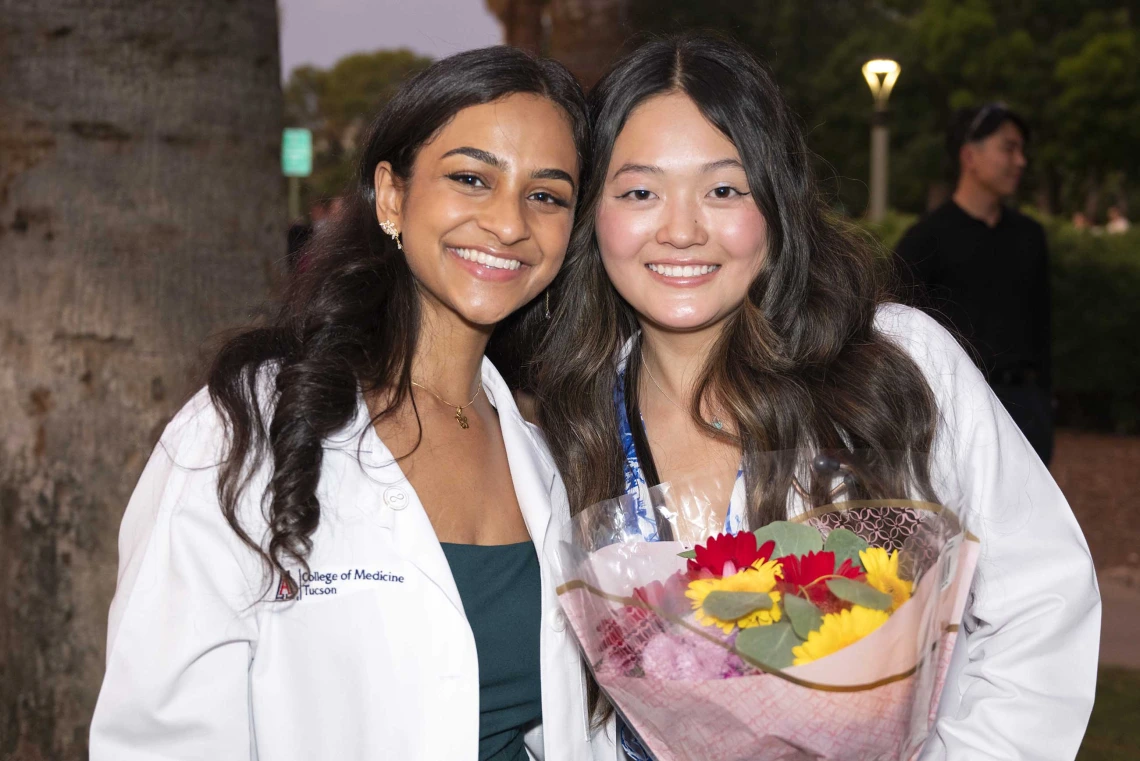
790, 538
769, 645
730, 606
860, 594
803, 616
846, 545
690, 554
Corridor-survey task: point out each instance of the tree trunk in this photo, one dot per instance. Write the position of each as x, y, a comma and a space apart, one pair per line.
522, 22
1092, 196
585, 35
589, 35
141, 210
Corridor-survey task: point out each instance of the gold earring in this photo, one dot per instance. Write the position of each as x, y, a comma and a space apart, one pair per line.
390, 228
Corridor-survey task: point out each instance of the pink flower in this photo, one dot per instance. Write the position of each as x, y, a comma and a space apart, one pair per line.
685, 656
668, 598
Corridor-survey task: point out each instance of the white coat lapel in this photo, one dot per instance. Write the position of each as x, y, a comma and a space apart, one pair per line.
390, 498
532, 472
397, 507
415, 538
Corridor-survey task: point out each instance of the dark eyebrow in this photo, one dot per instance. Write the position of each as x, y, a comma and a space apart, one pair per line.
636, 168
493, 160
712, 166
554, 174
478, 155
722, 164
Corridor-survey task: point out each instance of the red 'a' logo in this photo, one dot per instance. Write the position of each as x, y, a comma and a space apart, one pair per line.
283, 592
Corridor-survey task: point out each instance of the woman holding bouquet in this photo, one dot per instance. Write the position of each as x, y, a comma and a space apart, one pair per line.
710, 311
334, 551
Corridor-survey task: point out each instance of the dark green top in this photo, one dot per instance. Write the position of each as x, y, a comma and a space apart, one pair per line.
501, 592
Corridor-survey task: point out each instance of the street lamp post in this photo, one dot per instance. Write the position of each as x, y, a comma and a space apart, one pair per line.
881, 75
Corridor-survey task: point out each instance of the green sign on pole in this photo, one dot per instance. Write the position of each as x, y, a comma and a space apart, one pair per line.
297, 152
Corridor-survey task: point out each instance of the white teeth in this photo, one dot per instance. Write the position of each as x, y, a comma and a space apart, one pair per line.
688, 270
487, 260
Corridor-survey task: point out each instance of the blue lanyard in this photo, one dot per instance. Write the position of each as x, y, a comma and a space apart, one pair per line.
635, 485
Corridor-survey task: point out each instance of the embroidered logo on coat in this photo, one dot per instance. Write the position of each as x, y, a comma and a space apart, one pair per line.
283, 592
335, 581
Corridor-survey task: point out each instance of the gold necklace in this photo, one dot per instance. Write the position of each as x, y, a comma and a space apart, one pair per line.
459, 416
715, 421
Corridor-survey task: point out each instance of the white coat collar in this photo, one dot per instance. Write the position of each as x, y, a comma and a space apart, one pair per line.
532, 471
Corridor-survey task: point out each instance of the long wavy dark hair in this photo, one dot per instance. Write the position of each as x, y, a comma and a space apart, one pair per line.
799, 366
350, 321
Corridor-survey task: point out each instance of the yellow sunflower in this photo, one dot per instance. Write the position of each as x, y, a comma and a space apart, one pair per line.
883, 574
759, 577
837, 632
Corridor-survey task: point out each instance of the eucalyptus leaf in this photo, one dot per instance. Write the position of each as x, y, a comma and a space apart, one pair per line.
690, 554
803, 616
859, 593
846, 545
769, 645
790, 538
731, 606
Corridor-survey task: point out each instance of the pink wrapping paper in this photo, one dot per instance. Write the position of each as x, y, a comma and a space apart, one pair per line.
875, 699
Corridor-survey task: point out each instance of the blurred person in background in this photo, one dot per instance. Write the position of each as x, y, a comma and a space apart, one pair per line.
1117, 223
982, 268
302, 230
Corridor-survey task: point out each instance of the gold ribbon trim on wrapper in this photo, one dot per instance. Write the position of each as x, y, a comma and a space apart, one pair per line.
931, 507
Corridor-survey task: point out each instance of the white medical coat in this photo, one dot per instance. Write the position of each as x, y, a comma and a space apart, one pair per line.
374, 661
1023, 674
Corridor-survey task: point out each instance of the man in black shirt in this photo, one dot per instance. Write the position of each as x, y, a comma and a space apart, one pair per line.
982, 268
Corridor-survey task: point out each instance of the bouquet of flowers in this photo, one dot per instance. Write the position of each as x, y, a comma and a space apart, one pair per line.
825, 636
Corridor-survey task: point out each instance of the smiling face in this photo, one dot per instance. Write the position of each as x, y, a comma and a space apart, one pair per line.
485, 216
680, 234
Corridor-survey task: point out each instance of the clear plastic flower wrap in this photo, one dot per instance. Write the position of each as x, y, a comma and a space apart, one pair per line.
825, 636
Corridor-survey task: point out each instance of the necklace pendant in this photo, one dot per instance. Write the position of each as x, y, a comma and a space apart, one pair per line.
461, 418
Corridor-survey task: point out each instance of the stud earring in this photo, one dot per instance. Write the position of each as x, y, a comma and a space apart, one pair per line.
390, 228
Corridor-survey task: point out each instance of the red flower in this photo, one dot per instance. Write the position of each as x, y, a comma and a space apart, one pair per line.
739, 550
669, 598
805, 576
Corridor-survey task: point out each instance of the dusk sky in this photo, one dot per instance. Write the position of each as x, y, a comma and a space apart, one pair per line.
319, 32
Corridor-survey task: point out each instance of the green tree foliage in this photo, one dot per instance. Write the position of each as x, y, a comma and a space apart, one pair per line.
1096, 324
337, 104
1073, 68
1098, 97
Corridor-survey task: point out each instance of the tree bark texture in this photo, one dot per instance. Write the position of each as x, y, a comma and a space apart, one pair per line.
141, 210
585, 35
522, 22
589, 35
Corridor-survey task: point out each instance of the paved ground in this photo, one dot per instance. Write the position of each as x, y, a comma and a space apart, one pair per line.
1120, 625
1100, 476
